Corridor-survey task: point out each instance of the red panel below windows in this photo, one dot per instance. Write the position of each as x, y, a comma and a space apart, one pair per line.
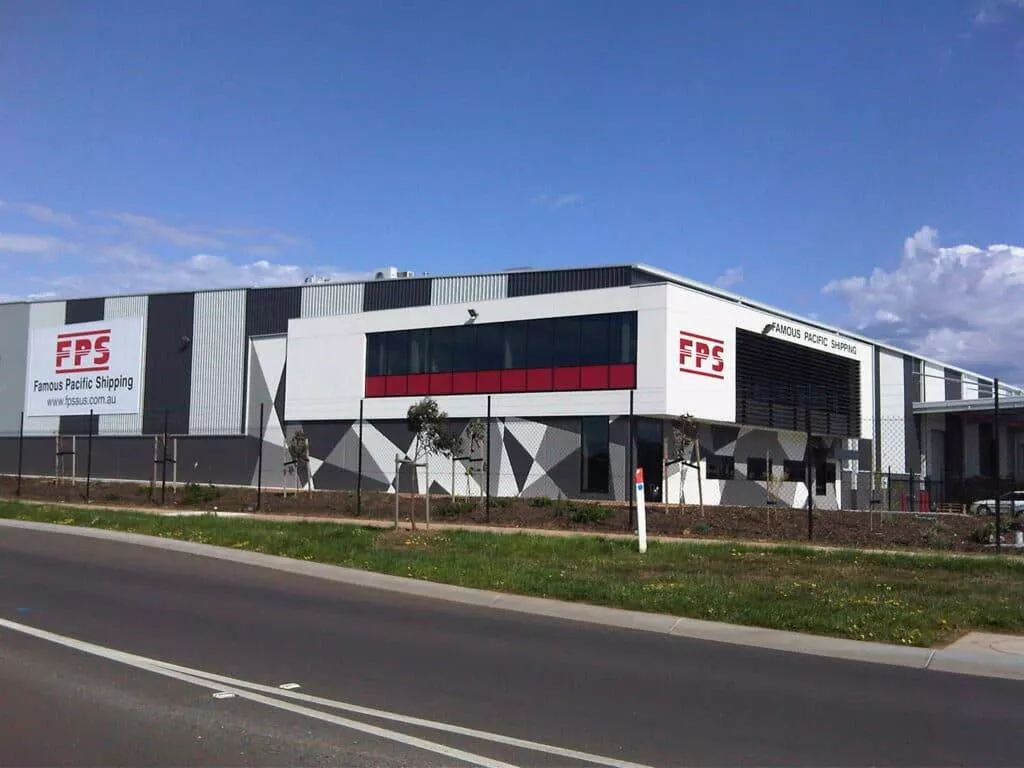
419, 384
622, 376
464, 383
538, 380
488, 382
440, 383
594, 377
397, 385
376, 386
567, 378
513, 381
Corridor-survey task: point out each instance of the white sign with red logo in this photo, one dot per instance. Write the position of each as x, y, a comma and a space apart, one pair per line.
701, 355
75, 369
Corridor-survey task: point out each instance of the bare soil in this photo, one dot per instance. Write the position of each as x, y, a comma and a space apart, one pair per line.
847, 528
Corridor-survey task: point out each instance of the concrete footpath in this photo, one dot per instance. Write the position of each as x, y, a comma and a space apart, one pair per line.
975, 654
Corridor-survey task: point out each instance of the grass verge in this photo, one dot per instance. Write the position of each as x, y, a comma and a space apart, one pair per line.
920, 600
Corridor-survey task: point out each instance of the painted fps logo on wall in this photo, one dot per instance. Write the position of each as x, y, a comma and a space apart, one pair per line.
83, 351
701, 355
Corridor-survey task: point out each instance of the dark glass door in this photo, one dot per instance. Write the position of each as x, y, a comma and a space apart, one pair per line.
650, 456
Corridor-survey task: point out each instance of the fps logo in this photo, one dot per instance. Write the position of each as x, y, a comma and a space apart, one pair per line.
701, 355
83, 352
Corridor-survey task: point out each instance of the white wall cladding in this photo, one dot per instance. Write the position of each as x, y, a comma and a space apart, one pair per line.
455, 290
13, 356
934, 383
218, 363
47, 314
326, 299
115, 308
892, 429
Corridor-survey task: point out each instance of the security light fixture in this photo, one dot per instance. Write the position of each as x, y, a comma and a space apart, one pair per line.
473, 314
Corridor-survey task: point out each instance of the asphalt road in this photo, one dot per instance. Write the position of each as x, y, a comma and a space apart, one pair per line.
617, 694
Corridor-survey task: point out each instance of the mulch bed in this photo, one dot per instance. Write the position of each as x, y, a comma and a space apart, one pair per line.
836, 528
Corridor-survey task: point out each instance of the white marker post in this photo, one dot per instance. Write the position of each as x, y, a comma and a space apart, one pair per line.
641, 512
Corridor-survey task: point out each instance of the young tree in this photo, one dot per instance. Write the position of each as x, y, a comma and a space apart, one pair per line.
298, 458
686, 441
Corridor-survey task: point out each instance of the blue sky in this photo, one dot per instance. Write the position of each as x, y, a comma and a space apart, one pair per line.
860, 162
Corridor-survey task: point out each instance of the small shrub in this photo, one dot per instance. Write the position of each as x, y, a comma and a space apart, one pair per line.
500, 502
199, 494
938, 537
540, 501
983, 533
702, 528
586, 513
451, 509
111, 497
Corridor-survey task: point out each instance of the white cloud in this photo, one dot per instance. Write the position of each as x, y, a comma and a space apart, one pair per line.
30, 245
43, 214
558, 201
129, 253
960, 304
995, 11
732, 276
130, 271
151, 229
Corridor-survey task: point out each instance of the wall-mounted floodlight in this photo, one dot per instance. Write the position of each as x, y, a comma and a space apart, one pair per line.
473, 314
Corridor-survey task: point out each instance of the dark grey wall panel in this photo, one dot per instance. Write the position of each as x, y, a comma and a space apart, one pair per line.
954, 384
81, 311
38, 456
642, 277
396, 294
119, 458
564, 280
912, 442
84, 310
219, 460
268, 310
168, 363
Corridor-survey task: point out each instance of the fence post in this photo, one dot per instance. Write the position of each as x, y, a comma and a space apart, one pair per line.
88, 463
359, 464
630, 460
21, 442
259, 464
398, 467
888, 489
809, 456
163, 465
999, 476
487, 508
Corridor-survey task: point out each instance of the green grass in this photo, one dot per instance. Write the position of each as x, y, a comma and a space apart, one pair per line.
918, 600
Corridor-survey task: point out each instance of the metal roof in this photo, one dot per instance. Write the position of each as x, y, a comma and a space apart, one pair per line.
660, 274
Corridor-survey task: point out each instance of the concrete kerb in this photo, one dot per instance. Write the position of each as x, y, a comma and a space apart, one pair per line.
981, 663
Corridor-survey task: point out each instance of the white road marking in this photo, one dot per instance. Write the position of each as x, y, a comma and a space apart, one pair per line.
141, 662
289, 686
252, 691
223, 695
380, 714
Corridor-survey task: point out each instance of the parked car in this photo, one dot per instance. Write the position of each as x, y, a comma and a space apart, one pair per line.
1011, 503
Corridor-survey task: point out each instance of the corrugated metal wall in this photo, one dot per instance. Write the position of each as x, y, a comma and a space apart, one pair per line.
563, 280
268, 310
13, 354
456, 290
330, 299
168, 363
396, 294
46, 315
218, 363
116, 308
